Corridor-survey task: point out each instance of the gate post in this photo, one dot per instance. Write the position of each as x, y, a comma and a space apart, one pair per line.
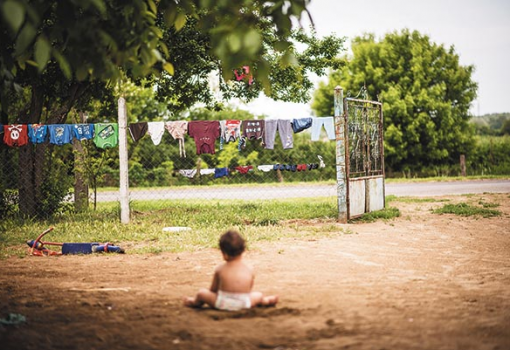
123, 163
341, 177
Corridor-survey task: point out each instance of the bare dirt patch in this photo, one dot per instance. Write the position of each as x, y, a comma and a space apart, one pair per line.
421, 281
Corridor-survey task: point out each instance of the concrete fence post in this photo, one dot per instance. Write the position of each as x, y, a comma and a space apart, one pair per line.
341, 177
123, 163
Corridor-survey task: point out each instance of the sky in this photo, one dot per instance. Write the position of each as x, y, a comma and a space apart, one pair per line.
478, 30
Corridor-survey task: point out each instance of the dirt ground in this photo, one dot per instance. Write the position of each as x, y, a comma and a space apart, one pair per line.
421, 281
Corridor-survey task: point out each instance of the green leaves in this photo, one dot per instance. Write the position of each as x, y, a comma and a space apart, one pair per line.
289, 59
14, 14
180, 21
100, 6
25, 38
152, 6
94, 41
169, 68
252, 41
63, 64
426, 95
234, 41
42, 52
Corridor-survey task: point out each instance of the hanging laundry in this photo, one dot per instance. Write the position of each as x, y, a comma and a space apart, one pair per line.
301, 167
205, 133
83, 131
321, 162
220, 172
284, 129
207, 171
137, 130
242, 143
328, 124
244, 169
60, 134
106, 135
156, 131
37, 133
253, 129
288, 167
178, 129
16, 135
265, 168
230, 131
301, 124
245, 73
189, 173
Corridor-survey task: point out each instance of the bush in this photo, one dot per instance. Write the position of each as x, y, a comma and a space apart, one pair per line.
55, 190
9, 203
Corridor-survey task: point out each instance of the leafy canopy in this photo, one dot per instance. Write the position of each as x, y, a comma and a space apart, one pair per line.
68, 45
425, 91
96, 39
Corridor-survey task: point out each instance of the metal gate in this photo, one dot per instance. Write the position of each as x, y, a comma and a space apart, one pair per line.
364, 156
360, 156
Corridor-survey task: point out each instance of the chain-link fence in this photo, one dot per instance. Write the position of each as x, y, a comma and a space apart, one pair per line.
237, 170
42, 179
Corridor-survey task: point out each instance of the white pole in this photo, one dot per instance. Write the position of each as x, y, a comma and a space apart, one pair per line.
341, 175
123, 163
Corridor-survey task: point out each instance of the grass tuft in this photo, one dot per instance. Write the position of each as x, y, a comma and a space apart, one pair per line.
384, 214
464, 209
488, 205
419, 200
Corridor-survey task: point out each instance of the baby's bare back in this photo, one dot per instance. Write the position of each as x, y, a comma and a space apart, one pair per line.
235, 277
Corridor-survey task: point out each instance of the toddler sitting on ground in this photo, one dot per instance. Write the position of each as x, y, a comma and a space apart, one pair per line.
232, 284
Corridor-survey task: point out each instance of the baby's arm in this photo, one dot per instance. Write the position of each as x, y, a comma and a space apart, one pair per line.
252, 276
215, 282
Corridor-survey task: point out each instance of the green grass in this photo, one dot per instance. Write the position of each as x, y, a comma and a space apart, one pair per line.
488, 205
393, 198
464, 209
256, 220
387, 213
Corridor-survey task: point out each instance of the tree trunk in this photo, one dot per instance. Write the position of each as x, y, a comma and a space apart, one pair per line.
463, 165
32, 159
27, 203
81, 189
279, 175
27, 158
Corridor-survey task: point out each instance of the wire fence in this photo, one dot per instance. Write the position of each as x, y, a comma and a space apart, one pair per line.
47, 178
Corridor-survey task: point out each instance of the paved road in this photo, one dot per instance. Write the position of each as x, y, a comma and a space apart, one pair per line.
445, 188
277, 192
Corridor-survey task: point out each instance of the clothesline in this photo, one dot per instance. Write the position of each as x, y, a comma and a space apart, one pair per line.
245, 169
206, 132
104, 135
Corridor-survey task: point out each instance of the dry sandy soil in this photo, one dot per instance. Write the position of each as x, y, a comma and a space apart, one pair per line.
422, 281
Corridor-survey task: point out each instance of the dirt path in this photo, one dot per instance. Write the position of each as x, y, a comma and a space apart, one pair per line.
422, 281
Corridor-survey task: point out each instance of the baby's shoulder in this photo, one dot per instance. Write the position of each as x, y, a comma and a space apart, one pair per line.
248, 268
220, 267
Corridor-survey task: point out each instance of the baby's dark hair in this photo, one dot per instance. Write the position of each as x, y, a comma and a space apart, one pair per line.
232, 243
